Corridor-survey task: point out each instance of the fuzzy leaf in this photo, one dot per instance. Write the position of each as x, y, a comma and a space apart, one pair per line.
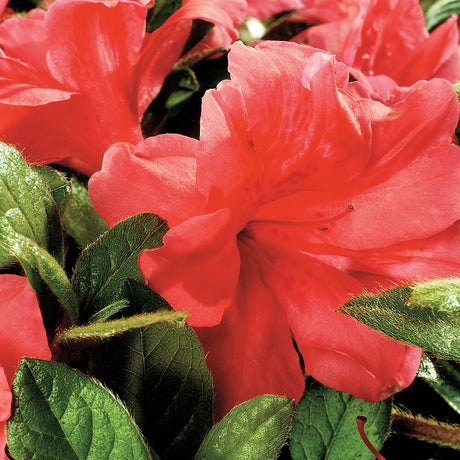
159, 372
442, 296
441, 11
27, 206
105, 264
80, 220
107, 329
61, 413
325, 425
395, 314
57, 184
257, 428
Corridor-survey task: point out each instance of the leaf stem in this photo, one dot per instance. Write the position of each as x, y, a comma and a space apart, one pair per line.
428, 430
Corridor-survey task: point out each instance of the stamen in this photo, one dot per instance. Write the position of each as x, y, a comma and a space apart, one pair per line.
313, 223
361, 420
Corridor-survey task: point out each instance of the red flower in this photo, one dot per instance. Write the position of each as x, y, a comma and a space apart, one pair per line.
262, 9
77, 78
384, 37
21, 334
302, 192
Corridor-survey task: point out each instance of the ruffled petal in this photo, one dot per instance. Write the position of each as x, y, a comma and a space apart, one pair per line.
197, 268
157, 175
305, 134
251, 351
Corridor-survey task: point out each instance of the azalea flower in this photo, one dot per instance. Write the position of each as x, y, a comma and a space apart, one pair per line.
77, 78
301, 193
4, 11
21, 334
383, 37
264, 8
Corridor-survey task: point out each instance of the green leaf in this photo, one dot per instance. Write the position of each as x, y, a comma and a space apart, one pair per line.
255, 429
441, 11
160, 12
27, 206
57, 184
61, 413
30, 229
105, 264
80, 220
39, 265
442, 296
110, 310
443, 378
395, 314
181, 83
325, 425
159, 372
107, 329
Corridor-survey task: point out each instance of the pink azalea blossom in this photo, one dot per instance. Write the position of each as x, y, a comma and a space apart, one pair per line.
77, 78
21, 334
384, 37
302, 192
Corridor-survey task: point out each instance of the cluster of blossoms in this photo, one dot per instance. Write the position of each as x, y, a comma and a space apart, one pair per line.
305, 188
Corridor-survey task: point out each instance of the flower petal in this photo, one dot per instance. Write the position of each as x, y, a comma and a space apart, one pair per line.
157, 175
262, 9
197, 268
337, 350
21, 325
430, 56
251, 351
24, 38
304, 135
